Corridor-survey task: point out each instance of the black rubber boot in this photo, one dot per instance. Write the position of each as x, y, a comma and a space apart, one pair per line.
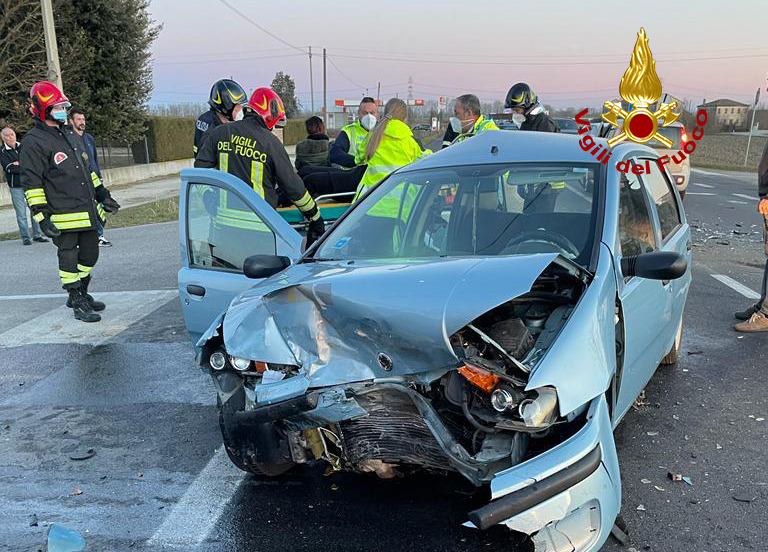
98, 306
747, 314
79, 305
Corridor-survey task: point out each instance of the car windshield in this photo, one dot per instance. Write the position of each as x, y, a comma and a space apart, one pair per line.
567, 124
473, 210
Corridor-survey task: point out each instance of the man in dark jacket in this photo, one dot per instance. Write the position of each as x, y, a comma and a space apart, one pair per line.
77, 122
756, 317
9, 160
314, 150
65, 196
250, 151
349, 140
522, 100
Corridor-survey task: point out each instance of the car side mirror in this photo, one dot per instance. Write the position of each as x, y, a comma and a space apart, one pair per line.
656, 265
264, 266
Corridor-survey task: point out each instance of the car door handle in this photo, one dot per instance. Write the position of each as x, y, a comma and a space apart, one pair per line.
195, 290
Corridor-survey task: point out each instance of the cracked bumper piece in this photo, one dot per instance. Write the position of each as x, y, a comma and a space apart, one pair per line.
517, 502
568, 497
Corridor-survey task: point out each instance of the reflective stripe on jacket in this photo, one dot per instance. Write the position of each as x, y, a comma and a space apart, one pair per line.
480, 125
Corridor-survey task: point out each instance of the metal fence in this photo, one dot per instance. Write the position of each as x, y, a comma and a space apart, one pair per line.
113, 154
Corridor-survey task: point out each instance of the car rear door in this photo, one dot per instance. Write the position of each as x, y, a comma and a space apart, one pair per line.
222, 221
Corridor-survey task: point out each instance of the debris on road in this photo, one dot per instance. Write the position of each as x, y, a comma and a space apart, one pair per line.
61, 539
82, 453
652, 433
76, 491
645, 481
640, 508
33, 520
745, 497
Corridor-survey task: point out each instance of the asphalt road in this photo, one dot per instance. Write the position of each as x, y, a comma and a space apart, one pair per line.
128, 389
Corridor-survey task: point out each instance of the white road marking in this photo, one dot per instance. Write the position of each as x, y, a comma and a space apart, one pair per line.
736, 201
745, 196
701, 193
702, 185
104, 294
59, 326
701, 171
738, 287
197, 512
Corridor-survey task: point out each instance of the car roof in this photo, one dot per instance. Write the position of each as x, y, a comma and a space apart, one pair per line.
503, 146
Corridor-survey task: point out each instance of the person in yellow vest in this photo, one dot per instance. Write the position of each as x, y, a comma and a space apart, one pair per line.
389, 146
467, 120
350, 138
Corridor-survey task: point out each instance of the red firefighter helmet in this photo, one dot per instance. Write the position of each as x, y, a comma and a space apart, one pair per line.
43, 95
268, 104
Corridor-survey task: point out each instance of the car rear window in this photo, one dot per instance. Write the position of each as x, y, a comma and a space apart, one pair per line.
671, 132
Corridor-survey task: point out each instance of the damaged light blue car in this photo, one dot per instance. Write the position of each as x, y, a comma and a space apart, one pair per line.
493, 309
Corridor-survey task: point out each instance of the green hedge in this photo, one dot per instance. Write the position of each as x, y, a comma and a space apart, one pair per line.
294, 132
170, 138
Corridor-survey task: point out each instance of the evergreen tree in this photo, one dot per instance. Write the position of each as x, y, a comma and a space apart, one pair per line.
285, 87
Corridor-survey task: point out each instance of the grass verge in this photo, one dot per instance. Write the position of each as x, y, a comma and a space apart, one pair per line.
163, 210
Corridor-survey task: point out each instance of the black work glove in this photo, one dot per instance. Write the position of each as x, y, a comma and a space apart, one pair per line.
48, 228
110, 205
315, 230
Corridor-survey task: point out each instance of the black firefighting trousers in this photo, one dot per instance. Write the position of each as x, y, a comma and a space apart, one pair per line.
78, 253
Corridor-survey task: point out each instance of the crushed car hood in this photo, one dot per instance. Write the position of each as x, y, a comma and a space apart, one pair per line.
347, 321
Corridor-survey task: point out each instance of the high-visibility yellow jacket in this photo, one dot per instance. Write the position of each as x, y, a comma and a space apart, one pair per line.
356, 134
480, 125
398, 148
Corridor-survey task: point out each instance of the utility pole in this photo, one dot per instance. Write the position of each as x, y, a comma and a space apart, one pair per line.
325, 90
751, 125
378, 93
311, 83
51, 50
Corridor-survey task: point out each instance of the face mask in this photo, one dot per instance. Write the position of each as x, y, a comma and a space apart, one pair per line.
368, 121
238, 115
518, 119
455, 123
59, 116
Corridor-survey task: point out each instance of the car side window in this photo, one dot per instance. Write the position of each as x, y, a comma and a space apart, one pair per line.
636, 234
223, 231
664, 198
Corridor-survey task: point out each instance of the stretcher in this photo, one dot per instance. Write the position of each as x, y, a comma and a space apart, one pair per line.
331, 206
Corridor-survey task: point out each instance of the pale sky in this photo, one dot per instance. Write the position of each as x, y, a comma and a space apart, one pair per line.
573, 53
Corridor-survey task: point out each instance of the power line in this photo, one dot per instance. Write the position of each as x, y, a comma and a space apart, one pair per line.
262, 29
345, 76
540, 63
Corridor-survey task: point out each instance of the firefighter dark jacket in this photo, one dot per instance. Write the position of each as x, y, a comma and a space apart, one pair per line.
249, 151
58, 181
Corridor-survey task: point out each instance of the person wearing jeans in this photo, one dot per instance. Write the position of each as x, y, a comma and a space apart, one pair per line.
77, 122
756, 317
9, 159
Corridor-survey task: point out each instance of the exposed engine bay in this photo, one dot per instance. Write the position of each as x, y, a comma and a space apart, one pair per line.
475, 417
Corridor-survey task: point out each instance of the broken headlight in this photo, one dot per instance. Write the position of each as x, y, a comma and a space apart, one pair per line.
541, 411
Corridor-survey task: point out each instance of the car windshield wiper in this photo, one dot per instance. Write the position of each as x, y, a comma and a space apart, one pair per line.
317, 259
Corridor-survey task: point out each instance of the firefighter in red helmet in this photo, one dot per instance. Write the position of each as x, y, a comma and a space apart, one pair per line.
249, 150
64, 195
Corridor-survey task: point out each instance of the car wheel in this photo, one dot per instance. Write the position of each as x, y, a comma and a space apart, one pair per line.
242, 459
674, 353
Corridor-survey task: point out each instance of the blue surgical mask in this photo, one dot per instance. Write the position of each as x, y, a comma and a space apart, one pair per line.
59, 116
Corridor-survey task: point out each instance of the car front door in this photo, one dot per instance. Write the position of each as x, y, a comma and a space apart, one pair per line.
645, 304
222, 221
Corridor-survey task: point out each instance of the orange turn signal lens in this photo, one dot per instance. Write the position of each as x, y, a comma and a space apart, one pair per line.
260, 366
479, 377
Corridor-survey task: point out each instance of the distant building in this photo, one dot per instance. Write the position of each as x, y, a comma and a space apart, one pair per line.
728, 114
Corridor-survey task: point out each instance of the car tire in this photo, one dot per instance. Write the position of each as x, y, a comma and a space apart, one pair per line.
240, 460
674, 353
